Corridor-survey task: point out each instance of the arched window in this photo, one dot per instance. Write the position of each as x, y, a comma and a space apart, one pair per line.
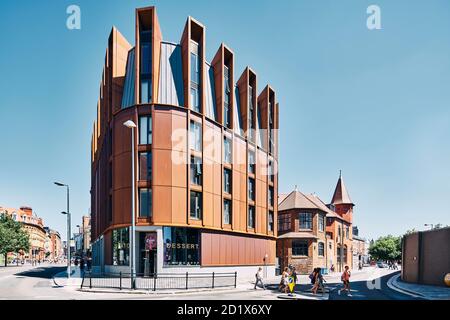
321, 249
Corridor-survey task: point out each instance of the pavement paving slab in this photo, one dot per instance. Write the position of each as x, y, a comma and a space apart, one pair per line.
419, 290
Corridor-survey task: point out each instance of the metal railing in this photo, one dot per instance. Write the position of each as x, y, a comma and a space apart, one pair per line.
159, 281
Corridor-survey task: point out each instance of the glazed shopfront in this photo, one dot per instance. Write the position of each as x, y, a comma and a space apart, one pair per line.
173, 246
181, 249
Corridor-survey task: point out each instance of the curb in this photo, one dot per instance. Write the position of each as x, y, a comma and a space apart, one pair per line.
151, 292
65, 277
298, 296
392, 284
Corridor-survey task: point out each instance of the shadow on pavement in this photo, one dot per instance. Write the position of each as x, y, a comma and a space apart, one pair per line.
41, 272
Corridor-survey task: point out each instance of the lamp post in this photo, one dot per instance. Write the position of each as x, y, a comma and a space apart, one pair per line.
80, 235
68, 227
265, 265
131, 125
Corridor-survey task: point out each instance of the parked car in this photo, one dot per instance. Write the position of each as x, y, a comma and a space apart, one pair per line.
381, 264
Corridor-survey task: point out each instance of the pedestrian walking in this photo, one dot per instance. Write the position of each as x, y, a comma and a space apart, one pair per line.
345, 278
259, 278
332, 268
314, 280
81, 266
89, 263
312, 276
319, 280
284, 280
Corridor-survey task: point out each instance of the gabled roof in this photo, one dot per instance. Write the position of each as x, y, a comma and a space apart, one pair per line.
320, 204
297, 200
341, 195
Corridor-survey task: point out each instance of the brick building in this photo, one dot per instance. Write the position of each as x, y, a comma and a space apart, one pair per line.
34, 226
313, 234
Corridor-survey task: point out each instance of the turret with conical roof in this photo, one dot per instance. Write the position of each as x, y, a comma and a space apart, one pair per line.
341, 201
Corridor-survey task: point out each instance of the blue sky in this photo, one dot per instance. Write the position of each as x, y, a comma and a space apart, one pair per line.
372, 103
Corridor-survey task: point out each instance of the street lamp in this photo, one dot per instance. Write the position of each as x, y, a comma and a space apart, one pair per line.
59, 184
265, 265
131, 125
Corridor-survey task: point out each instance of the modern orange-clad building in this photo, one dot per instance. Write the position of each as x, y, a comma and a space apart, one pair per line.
205, 157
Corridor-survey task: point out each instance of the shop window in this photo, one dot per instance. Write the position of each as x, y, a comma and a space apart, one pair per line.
181, 246
121, 247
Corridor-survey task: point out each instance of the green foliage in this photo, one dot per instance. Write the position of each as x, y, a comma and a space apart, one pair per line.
13, 237
386, 248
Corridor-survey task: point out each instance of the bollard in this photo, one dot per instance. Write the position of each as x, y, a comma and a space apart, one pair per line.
120, 280
186, 280
213, 281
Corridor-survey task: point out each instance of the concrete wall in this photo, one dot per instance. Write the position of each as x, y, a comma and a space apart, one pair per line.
426, 257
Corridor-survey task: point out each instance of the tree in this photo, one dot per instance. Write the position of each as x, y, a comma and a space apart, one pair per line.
13, 237
386, 248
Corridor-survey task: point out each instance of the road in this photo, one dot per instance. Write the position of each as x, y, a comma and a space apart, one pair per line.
27, 282
369, 285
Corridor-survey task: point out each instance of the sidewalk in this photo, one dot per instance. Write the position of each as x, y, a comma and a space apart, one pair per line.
61, 280
419, 290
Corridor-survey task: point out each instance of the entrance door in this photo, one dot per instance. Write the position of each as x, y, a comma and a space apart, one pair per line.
147, 253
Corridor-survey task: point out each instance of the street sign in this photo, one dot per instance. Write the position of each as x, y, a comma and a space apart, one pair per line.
291, 284
150, 241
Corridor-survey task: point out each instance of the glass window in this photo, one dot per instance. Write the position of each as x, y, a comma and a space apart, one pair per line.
181, 246
251, 162
284, 222
196, 136
195, 64
271, 171
227, 211
195, 76
195, 99
299, 247
227, 94
271, 196
145, 90
145, 203
305, 220
271, 127
251, 189
145, 68
145, 166
227, 150
146, 56
227, 180
251, 109
321, 218
145, 130
196, 205
270, 218
251, 217
121, 247
196, 170
321, 249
